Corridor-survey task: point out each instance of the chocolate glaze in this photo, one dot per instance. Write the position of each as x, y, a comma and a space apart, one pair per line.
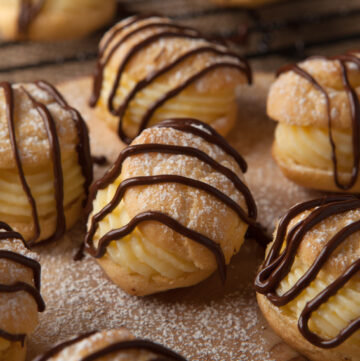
34, 291
99, 160
170, 31
164, 353
27, 14
184, 125
277, 265
82, 148
354, 107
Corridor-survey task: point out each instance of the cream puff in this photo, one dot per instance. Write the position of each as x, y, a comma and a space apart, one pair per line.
53, 19
316, 104
45, 163
115, 345
150, 69
309, 285
20, 298
172, 209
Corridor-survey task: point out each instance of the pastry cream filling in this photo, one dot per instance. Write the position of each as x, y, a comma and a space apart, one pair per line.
310, 146
332, 316
135, 253
189, 103
14, 202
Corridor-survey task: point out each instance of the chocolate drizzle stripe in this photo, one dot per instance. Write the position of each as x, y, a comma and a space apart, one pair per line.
171, 31
355, 113
12, 234
140, 29
25, 261
20, 337
117, 234
207, 133
83, 145
277, 265
62, 346
135, 344
57, 165
324, 296
158, 349
22, 286
27, 14
9, 99
6, 227
100, 160
354, 108
114, 32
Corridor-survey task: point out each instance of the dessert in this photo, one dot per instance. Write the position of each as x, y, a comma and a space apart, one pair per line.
309, 285
172, 209
150, 69
20, 298
45, 163
119, 344
53, 19
316, 103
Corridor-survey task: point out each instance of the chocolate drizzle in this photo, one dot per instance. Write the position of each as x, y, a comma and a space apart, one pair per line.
82, 149
170, 31
185, 125
164, 353
27, 14
278, 263
34, 291
354, 108
100, 160
62, 346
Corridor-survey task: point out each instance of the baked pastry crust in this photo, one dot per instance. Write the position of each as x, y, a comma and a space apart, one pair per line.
45, 161
330, 218
20, 298
150, 69
46, 20
156, 255
107, 343
315, 103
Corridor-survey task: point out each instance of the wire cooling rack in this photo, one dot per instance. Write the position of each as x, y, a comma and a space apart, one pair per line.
269, 36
